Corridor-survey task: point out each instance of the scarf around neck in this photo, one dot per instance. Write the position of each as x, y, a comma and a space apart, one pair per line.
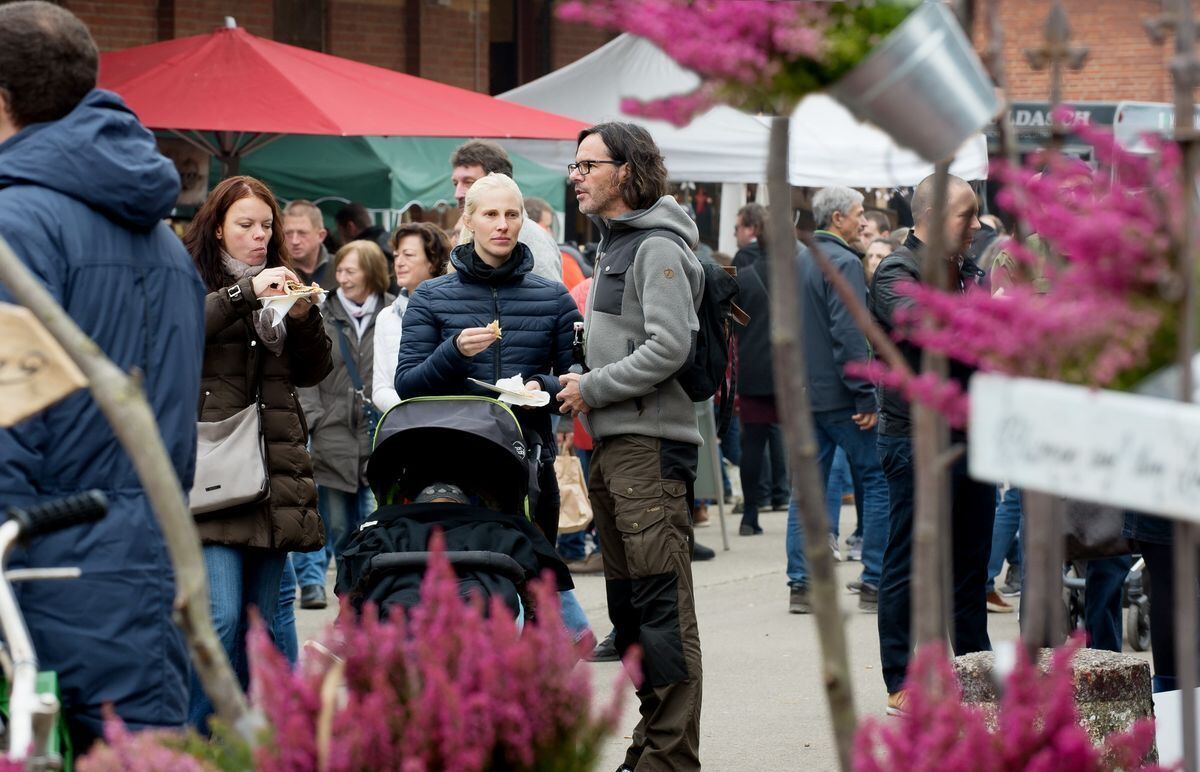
361, 314
272, 337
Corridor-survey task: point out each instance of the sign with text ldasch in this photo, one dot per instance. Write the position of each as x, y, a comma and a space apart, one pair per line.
1106, 447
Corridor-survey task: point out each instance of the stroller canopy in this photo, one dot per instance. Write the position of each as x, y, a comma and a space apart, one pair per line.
473, 442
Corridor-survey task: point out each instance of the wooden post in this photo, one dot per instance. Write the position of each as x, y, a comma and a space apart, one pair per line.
1041, 602
796, 412
120, 399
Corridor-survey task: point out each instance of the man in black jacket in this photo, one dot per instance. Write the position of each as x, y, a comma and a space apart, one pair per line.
763, 464
973, 504
844, 408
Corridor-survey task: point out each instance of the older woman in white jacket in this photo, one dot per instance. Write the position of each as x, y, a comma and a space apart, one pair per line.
421, 251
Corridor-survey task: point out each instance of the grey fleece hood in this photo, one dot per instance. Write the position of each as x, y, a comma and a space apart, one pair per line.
641, 322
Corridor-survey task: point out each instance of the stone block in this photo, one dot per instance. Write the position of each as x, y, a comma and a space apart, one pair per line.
1112, 690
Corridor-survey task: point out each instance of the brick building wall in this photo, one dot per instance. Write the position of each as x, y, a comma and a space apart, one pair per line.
451, 43
1123, 63
454, 43
199, 17
370, 31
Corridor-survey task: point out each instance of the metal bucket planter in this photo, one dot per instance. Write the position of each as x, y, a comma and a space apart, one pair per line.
923, 85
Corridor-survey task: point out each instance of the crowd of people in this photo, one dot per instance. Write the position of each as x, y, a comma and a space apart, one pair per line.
411, 314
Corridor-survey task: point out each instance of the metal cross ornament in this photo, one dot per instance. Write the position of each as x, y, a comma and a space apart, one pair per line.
1057, 51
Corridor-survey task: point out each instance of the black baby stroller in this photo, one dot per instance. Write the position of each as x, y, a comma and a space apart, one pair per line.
474, 449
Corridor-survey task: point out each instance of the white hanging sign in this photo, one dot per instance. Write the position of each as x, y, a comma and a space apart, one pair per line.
1105, 447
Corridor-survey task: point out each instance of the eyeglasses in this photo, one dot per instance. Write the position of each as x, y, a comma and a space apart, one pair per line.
585, 167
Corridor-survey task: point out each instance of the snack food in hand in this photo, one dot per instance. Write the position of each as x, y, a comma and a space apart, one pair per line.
495, 327
296, 288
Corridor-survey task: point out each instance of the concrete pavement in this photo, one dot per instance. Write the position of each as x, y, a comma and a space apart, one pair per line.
764, 706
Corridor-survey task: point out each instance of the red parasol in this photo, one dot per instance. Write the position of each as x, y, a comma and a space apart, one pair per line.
248, 90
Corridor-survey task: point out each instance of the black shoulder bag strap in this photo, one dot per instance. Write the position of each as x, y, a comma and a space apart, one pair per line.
370, 414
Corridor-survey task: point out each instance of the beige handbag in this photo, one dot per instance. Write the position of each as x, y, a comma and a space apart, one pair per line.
231, 460
574, 506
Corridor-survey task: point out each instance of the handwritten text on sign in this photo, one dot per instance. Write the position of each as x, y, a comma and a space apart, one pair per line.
1106, 447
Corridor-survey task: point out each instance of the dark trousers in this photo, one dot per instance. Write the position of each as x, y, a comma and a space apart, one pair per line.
972, 510
641, 490
756, 492
1102, 593
1160, 567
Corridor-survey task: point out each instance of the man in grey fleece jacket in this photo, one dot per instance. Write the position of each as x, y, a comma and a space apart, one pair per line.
641, 323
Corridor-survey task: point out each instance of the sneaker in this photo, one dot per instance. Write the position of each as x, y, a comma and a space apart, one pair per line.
833, 546
700, 517
854, 547
1012, 582
868, 599
856, 586
745, 529
779, 505
700, 552
896, 702
606, 650
997, 604
798, 602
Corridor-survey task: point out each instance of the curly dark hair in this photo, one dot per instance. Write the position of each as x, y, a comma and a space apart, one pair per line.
48, 61
201, 237
632, 145
433, 239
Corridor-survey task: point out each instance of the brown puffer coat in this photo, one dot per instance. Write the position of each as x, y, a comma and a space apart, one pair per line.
288, 521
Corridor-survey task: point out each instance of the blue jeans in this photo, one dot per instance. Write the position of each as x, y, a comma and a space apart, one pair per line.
238, 579
573, 616
835, 429
342, 513
972, 510
1006, 534
1102, 592
283, 626
840, 483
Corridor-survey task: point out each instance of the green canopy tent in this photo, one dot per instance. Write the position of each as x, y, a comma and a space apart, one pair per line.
387, 175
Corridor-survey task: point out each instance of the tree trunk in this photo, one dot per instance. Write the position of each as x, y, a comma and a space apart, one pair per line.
795, 411
120, 399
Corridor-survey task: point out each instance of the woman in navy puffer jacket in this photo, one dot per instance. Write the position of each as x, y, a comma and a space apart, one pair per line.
447, 338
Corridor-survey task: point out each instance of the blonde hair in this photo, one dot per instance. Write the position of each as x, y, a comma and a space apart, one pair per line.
493, 181
370, 258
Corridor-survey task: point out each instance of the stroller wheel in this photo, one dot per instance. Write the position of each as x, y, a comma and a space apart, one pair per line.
1137, 626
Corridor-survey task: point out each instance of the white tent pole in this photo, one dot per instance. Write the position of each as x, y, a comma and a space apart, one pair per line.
733, 198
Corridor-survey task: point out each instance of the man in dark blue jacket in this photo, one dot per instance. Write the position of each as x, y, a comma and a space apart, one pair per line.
83, 190
844, 408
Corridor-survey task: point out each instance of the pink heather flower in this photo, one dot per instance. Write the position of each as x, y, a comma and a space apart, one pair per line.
731, 44
445, 687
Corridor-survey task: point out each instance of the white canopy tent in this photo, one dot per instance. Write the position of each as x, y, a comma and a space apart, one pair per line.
828, 145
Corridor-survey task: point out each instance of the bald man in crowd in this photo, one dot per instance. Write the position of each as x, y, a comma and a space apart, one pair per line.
973, 504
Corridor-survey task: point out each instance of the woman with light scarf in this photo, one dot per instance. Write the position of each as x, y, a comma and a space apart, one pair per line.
340, 414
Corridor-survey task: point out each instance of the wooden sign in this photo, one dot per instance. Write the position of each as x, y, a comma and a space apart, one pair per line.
1105, 447
35, 372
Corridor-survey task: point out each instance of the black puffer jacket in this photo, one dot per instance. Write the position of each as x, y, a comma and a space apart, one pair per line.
536, 316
